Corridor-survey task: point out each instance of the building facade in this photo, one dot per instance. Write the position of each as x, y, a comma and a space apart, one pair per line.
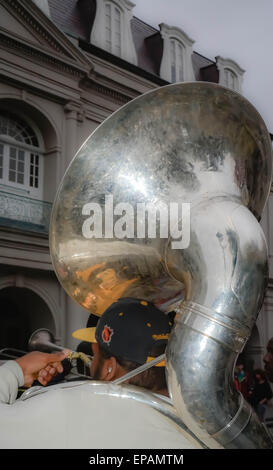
65, 67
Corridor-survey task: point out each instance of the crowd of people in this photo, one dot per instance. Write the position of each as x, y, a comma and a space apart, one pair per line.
255, 386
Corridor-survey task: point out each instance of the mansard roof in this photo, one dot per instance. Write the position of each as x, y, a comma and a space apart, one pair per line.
76, 18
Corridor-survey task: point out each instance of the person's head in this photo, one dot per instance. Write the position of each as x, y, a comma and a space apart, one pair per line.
259, 375
240, 367
268, 360
130, 333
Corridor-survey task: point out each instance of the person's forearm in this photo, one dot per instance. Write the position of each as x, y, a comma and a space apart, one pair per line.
11, 377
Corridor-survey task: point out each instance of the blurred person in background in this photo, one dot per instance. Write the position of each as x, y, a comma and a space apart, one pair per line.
261, 393
268, 361
242, 379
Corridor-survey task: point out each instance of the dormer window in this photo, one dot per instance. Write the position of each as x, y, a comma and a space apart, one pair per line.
231, 79
177, 61
112, 29
230, 74
176, 64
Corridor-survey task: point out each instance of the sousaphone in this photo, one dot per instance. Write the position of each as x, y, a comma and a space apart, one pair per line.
199, 146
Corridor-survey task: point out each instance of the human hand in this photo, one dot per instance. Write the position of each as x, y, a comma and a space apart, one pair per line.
41, 366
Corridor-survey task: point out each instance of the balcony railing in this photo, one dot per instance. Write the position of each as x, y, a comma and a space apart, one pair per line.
24, 213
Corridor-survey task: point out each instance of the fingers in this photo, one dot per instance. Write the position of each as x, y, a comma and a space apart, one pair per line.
58, 366
46, 374
44, 378
35, 362
57, 357
51, 370
52, 366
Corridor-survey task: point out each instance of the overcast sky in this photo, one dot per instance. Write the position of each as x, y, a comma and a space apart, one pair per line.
241, 30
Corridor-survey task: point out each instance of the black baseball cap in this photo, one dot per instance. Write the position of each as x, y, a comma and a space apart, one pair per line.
129, 329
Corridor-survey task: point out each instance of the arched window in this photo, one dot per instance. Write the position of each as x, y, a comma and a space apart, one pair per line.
113, 31
231, 79
21, 159
177, 61
230, 73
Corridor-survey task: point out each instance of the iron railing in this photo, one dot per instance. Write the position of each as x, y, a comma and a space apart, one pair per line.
24, 213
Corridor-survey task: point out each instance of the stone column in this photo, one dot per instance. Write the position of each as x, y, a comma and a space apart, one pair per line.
75, 316
71, 140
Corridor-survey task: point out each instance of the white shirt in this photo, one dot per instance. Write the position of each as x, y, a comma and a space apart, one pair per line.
11, 378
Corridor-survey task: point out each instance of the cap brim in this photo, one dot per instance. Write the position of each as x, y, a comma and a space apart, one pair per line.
159, 364
85, 334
